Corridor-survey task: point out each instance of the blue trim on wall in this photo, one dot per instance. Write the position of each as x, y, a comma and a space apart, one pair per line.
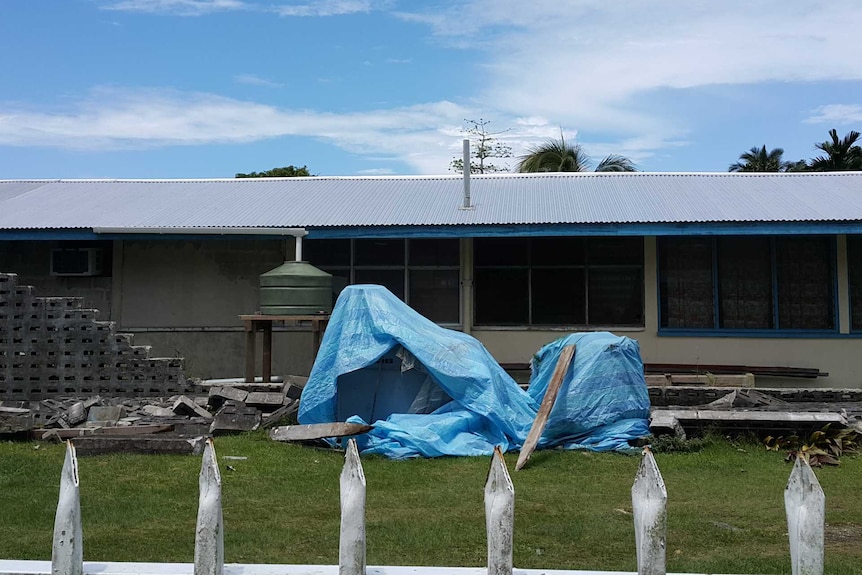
430, 231
646, 229
761, 333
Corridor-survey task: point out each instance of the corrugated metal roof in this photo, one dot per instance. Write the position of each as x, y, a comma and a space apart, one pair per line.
509, 199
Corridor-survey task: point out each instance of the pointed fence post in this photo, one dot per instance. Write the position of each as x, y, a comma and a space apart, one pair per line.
649, 507
805, 504
67, 554
499, 516
351, 547
209, 534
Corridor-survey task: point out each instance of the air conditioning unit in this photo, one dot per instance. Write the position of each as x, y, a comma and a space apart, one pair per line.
76, 261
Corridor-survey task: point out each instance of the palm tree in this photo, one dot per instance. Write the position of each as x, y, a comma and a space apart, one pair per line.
759, 160
559, 156
842, 155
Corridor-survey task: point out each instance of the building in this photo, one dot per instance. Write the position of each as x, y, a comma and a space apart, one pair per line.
703, 269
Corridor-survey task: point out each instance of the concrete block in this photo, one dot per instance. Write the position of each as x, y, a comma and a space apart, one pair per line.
97, 445
235, 417
185, 406
105, 415
156, 411
265, 399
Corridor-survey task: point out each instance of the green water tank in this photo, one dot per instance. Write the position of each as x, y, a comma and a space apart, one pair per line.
295, 288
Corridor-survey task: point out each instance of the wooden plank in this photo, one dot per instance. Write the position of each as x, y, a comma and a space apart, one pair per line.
499, 516
649, 510
541, 420
107, 431
209, 532
706, 380
774, 371
708, 415
805, 505
317, 431
351, 545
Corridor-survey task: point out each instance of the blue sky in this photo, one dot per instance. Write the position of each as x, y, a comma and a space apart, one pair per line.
208, 88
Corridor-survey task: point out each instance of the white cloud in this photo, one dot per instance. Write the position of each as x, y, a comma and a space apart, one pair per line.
332, 7
202, 7
836, 114
177, 7
110, 119
255, 80
376, 172
594, 64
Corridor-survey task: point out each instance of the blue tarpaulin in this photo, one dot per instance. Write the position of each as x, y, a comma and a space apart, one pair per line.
431, 391
603, 400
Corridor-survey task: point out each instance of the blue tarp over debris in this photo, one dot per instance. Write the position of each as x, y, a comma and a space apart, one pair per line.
431, 391
603, 401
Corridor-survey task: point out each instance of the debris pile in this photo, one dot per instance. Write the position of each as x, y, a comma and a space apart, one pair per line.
154, 424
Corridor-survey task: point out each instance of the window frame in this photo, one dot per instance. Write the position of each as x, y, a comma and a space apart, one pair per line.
404, 268
777, 331
585, 266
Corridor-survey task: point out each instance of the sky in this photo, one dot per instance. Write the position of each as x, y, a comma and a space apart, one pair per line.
209, 88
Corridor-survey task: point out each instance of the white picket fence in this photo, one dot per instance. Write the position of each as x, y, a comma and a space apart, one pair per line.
804, 503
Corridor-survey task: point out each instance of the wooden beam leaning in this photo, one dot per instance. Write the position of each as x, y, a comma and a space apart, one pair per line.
67, 553
209, 534
351, 546
649, 507
565, 359
499, 516
805, 504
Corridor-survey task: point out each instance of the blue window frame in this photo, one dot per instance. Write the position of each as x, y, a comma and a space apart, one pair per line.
747, 285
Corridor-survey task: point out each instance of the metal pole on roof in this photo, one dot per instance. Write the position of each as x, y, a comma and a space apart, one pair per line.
466, 144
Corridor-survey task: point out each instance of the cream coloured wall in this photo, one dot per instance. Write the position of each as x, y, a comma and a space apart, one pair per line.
840, 357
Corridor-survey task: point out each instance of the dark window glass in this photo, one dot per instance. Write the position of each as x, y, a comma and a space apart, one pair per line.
435, 294
557, 251
685, 269
805, 283
378, 252
393, 280
322, 253
502, 296
616, 296
854, 270
607, 251
435, 252
501, 251
559, 296
745, 283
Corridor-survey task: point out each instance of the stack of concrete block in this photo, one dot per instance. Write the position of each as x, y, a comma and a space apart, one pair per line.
54, 346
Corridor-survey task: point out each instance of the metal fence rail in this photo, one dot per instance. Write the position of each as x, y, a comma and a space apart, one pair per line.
804, 503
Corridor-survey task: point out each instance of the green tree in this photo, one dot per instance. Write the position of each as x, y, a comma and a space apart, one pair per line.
483, 146
557, 155
841, 155
759, 160
285, 172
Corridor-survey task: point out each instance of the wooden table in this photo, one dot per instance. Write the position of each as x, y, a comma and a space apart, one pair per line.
258, 322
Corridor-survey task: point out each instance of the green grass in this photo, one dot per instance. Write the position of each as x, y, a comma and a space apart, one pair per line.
572, 509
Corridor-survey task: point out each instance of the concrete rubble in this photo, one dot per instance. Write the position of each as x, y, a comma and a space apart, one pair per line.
173, 424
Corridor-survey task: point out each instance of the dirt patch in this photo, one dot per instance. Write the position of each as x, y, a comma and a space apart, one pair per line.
843, 536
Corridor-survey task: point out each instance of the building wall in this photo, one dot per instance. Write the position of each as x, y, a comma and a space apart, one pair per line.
31, 261
184, 298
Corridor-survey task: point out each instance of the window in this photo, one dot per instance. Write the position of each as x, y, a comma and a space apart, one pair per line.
747, 283
422, 272
559, 281
854, 271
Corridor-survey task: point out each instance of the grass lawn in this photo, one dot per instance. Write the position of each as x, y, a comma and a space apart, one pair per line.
572, 509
